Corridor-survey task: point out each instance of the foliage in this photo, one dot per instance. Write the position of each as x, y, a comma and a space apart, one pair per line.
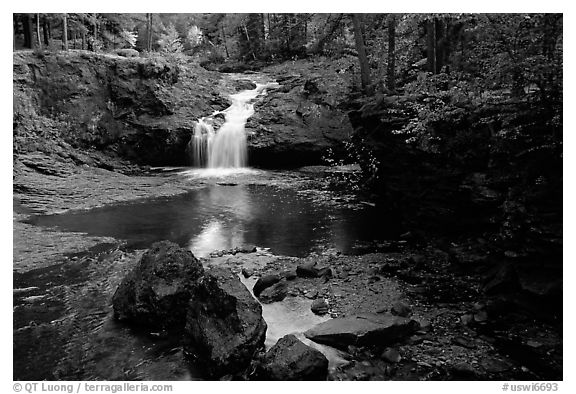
169, 41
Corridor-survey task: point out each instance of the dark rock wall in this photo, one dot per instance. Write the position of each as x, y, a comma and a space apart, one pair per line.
140, 109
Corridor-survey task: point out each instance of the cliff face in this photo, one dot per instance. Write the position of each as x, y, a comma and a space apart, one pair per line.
139, 109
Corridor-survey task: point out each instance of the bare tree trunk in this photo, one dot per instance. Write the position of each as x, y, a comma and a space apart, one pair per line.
222, 29
27, 31
38, 31
248, 39
149, 33
65, 32
14, 32
431, 45
391, 68
46, 32
362, 58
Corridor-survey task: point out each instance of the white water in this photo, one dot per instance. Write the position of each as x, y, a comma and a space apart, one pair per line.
226, 147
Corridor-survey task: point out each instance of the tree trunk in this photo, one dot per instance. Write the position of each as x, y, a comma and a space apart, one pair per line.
441, 45
14, 32
431, 45
362, 58
27, 31
45, 30
38, 31
149, 33
65, 32
391, 69
222, 29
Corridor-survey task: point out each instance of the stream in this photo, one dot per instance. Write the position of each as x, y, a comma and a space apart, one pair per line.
64, 312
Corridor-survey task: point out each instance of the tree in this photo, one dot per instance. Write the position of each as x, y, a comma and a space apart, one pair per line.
38, 30
391, 66
170, 40
65, 31
361, 49
431, 45
149, 32
46, 30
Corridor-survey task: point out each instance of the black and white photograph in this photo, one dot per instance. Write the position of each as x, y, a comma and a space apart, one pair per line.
306, 196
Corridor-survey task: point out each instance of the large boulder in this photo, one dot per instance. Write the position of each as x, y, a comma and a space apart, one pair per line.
224, 324
156, 292
290, 359
362, 330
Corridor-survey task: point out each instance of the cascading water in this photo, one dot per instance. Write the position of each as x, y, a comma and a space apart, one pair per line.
226, 147
200, 142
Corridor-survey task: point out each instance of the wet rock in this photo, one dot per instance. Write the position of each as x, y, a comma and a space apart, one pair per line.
325, 273
319, 307
391, 355
494, 365
290, 275
460, 341
417, 261
504, 280
425, 325
246, 272
362, 330
274, 293
244, 84
224, 324
464, 370
307, 270
400, 308
265, 282
245, 249
290, 359
466, 319
157, 291
480, 316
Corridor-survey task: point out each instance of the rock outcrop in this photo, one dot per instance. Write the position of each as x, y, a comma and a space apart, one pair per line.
224, 324
156, 293
362, 330
290, 359
296, 124
142, 109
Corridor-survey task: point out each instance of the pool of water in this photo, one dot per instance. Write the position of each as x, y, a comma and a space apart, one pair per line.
63, 324
221, 217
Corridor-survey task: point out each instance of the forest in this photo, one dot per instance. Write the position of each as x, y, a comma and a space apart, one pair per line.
397, 176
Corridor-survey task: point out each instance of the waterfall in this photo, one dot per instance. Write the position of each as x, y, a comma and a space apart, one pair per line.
200, 142
226, 147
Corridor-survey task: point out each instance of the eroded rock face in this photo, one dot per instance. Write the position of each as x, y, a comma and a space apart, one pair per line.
224, 324
295, 125
362, 330
156, 293
290, 359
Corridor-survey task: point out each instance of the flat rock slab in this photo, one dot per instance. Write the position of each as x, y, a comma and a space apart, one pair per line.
362, 330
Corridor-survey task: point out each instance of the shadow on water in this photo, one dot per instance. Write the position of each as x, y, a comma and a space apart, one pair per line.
221, 217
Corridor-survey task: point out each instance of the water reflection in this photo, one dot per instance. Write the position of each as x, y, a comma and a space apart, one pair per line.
222, 217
